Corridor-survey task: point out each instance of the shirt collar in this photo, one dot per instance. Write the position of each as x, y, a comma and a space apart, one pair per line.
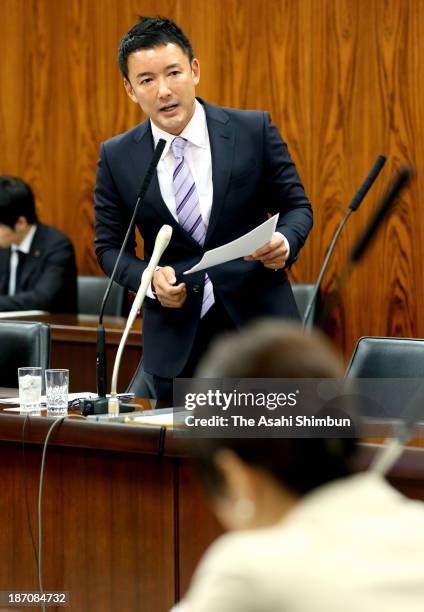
195, 131
361, 491
26, 243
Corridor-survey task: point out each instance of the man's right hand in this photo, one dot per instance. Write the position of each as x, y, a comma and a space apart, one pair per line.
167, 292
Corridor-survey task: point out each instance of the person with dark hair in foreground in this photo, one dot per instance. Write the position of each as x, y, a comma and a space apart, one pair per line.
37, 262
222, 173
309, 535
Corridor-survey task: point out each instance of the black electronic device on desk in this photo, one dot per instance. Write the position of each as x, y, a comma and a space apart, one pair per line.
93, 406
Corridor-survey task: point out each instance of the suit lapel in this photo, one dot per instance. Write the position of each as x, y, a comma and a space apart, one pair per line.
222, 141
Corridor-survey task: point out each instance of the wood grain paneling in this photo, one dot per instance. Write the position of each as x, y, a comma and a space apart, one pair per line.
94, 504
343, 80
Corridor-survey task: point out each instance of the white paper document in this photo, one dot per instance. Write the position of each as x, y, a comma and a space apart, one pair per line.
21, 314
241, 247
163, 420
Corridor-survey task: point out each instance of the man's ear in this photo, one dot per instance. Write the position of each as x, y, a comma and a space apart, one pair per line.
195, 71
130, 90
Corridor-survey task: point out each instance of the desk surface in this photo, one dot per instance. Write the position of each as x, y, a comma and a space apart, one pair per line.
174, 440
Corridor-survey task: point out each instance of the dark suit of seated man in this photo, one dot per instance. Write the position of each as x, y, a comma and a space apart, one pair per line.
37, 262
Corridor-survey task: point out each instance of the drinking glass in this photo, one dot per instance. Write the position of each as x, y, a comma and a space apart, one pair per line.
57, 383
29, 388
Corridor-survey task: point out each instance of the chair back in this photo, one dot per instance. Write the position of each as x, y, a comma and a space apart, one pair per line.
23, 343
91, 290
382, 358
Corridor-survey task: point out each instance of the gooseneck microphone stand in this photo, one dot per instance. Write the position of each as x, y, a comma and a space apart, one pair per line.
101, 371
162, 240
366, 238
354, 205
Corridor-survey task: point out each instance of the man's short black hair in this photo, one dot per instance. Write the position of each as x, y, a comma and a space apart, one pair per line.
16, 200
151, 32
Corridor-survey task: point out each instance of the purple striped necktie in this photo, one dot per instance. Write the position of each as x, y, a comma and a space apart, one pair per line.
188, 210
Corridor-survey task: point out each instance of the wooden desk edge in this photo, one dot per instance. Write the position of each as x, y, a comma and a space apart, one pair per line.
83, 433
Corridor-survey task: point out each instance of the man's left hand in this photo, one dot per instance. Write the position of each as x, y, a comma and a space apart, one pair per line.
273, 254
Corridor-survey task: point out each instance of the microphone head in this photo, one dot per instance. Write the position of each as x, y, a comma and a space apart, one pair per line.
403, 177
160, 147
164, 236
366, 185
157, 153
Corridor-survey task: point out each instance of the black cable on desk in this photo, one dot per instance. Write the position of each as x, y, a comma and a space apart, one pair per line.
31, 531
53, 426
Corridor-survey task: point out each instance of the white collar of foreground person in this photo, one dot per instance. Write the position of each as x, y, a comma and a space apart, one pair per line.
355, 544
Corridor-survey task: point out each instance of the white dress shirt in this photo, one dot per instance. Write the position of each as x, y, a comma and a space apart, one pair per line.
197, 154
24, 247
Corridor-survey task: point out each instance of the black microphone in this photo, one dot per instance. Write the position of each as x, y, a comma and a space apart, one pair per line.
364, 188
101, 371
354, 205
364, 241
367, 236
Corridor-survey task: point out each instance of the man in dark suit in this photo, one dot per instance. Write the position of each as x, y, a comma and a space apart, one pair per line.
37, 262
222, 172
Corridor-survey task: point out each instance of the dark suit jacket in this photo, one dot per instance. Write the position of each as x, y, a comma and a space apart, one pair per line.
252, 175
49, 275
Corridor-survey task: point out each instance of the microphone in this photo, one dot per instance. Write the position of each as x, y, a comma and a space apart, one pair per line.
101, 370
365, 187
354, 205
162, 240
393, 449
364, 241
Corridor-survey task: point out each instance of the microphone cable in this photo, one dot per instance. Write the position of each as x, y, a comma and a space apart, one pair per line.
27, 421
38, 550
53, 426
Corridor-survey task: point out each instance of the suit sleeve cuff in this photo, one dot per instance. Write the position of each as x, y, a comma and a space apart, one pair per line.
150, 293
286, 242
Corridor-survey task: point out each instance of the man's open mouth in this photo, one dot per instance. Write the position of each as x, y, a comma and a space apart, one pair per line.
169, 108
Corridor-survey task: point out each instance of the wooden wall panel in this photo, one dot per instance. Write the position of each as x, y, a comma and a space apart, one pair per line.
343, 80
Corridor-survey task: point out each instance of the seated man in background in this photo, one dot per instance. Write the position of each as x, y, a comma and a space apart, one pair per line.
311, 535
37, 262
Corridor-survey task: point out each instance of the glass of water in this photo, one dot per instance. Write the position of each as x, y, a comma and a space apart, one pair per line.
29, 388
57, 384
